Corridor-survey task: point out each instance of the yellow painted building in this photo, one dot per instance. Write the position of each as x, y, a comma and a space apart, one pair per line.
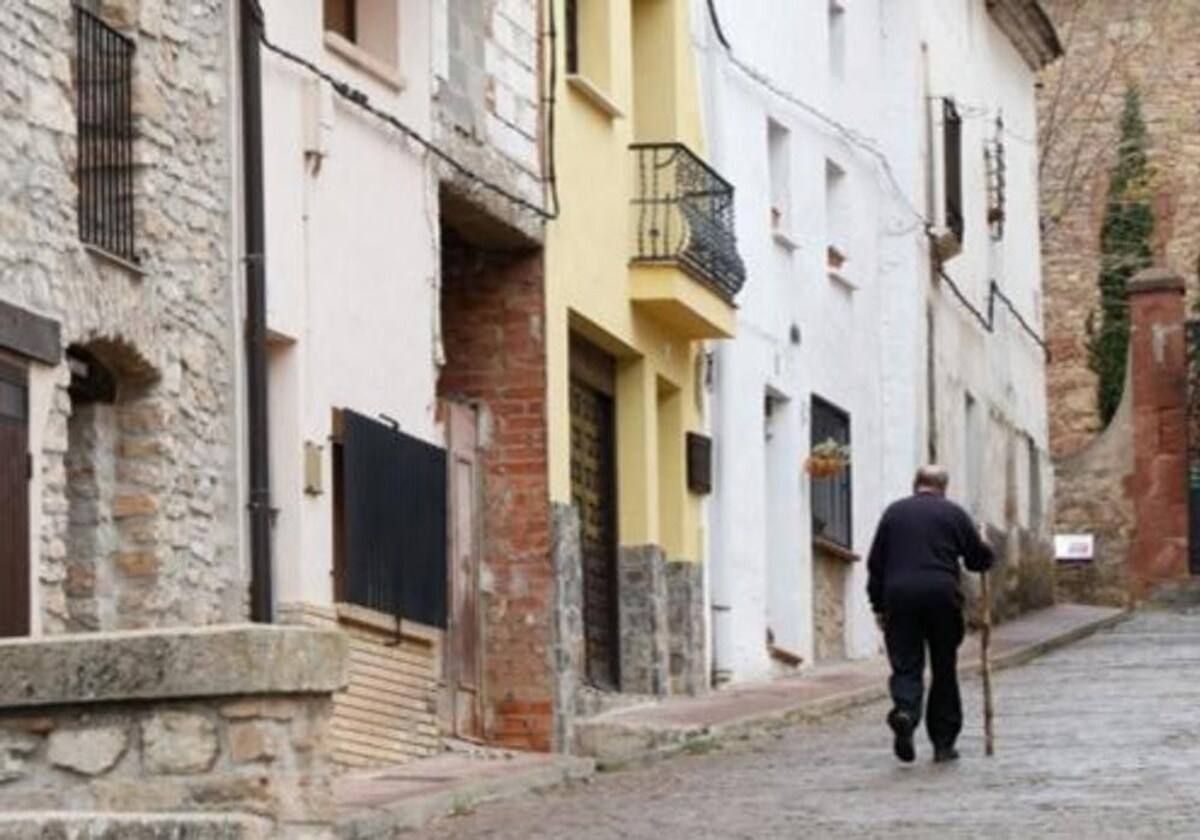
641, 267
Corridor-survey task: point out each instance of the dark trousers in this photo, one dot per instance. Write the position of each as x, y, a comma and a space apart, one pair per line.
915, 621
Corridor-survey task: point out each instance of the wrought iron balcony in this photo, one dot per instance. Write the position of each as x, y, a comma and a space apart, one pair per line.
683, 212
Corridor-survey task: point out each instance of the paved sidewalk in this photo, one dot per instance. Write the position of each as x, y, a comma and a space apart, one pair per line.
378, 803
679, 723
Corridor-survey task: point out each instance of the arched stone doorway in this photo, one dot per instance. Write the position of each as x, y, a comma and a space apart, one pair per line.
115, 481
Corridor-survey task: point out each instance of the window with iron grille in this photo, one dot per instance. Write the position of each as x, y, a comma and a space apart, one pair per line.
104, 108
952, 152
389, 499
996, 165
832, 496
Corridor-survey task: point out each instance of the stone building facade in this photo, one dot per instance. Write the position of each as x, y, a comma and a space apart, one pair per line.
1110, 47
130, 409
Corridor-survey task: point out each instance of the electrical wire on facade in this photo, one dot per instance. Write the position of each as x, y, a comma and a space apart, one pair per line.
987, 321
856, 138
360, 100
550, 102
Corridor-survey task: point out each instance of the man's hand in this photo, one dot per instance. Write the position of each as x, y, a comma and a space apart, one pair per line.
983, 535
881, 620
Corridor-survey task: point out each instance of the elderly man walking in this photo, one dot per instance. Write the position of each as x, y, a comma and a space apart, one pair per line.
915, 589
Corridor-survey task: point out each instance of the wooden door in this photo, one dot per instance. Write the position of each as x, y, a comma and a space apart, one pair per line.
593, 492
14, 501
463, 661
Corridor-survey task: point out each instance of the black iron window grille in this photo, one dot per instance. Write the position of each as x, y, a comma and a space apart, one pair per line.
832, 496
104, 107
684, 213
997, 180
389, 498
952, 157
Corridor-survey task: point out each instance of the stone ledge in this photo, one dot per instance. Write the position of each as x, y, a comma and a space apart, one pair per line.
1155, 280
219, 661
83, 826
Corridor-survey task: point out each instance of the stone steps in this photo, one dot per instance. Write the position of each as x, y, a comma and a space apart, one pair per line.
44, 825
1184, 594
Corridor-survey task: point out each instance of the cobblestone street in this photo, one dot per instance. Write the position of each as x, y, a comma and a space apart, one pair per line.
1101, 739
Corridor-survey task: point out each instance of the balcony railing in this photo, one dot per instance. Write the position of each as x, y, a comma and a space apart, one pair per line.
683, 212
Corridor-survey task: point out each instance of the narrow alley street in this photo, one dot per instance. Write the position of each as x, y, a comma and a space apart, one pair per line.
1100, 739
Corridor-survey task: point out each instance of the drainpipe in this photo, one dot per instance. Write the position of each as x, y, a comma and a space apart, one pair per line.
262, 606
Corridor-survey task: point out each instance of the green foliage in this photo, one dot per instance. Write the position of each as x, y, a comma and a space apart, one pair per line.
1124, 251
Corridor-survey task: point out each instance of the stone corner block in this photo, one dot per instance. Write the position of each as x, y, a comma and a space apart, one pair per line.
217, 661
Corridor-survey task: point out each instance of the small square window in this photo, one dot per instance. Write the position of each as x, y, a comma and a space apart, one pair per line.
837, 38
778, 160
370, 25
839, 224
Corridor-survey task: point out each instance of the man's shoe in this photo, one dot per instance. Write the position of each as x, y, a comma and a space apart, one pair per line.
943, 754
903, 726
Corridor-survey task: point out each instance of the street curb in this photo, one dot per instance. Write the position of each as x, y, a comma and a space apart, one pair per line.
415, 812
668, 742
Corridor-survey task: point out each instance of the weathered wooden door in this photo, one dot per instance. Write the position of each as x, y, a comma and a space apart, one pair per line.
14, 501
463, 662
593, 492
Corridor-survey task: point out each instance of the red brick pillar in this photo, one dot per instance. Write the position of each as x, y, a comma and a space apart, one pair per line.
1158, 359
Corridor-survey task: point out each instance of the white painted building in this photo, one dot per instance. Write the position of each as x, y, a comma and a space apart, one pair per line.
400, 141
828, 118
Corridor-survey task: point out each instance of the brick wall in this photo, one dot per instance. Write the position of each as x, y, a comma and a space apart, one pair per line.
1158, 361
1152, 44
493, 326
387, 713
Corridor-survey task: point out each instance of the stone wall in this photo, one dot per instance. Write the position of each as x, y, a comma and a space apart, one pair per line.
569, 660
232, 721
1093, 496
643, 611
830, 573
1128, 487
1150, 44
165, 327
685, 623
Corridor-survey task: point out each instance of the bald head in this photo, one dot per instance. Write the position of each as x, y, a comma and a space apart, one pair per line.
931, 478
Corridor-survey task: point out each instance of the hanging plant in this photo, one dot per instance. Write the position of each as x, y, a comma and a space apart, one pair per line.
827, 459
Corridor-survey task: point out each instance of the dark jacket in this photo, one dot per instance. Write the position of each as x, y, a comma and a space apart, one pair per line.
917, 549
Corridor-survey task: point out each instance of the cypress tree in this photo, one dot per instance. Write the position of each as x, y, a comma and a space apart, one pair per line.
1124, 250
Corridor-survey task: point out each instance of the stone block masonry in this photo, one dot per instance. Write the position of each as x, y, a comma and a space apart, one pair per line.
154, 543
642, 603
685, 621
231, 722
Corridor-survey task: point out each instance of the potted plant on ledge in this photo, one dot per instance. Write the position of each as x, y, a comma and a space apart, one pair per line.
827, 459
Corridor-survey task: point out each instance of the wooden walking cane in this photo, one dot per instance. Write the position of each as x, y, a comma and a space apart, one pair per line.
985, 638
